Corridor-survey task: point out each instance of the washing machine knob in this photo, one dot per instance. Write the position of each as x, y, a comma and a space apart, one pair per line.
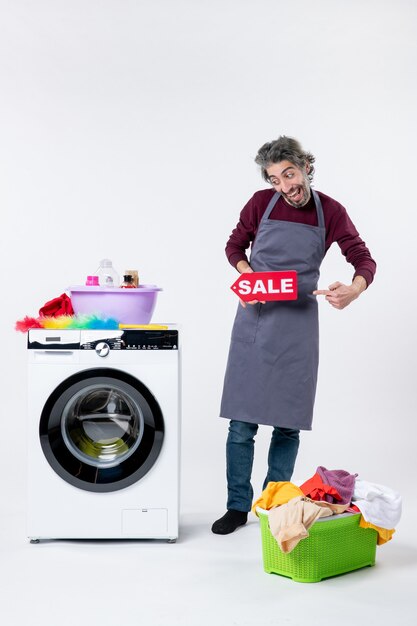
102, 348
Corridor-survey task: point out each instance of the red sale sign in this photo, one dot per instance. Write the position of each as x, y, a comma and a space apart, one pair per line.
266, 286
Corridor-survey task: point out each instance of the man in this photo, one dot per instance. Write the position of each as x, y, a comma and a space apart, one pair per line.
271, 372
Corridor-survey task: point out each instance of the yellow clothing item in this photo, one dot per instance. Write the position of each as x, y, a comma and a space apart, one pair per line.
275, 494
384, 534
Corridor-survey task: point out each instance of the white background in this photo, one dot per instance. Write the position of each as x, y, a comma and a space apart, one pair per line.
128, 130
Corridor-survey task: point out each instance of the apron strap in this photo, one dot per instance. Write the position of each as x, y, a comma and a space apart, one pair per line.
270, 206
319, 209
317, 202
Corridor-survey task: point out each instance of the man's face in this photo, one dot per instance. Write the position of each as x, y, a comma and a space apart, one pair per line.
291, 181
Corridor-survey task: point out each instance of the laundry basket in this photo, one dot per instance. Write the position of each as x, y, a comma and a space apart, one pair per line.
334, 546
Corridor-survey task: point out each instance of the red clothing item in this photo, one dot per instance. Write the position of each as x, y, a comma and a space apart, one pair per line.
58, 306
339, 228
315, 489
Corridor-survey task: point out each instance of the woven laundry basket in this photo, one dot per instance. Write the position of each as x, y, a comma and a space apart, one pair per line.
334, 546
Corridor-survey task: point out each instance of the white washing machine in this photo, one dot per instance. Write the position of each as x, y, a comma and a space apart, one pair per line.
103, 434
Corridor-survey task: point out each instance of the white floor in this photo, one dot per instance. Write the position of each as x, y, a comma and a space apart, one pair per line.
201, 580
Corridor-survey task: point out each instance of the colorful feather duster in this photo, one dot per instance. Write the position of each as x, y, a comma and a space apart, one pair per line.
66, 322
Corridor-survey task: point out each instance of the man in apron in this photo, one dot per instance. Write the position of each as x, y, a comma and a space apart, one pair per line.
271, 372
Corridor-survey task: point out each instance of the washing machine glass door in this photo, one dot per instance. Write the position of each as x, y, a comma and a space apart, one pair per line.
101, 430
102, 424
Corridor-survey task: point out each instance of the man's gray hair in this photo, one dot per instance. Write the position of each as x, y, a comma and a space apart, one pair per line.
284, 149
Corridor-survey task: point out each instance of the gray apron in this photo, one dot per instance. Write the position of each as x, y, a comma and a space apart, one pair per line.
271, 373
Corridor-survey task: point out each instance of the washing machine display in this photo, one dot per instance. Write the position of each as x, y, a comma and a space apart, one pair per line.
101, 430
103, 433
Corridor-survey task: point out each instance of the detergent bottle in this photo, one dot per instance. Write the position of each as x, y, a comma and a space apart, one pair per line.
107, 275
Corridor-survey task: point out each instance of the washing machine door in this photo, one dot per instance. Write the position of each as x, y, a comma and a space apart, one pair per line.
101, 430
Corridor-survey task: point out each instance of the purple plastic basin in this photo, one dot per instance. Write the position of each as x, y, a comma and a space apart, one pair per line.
127, 306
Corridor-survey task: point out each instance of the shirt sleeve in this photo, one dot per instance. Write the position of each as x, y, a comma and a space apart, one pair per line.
243, 234
342, 230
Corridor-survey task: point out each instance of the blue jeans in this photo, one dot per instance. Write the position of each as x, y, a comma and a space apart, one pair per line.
239, 460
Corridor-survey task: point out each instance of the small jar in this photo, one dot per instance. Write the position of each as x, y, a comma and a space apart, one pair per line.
135, 275
128, 282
